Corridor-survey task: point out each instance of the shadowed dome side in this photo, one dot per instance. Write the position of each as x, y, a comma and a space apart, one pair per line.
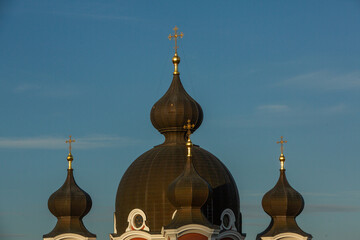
173, 110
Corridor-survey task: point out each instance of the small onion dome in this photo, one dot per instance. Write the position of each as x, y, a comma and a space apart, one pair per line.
283, 204
188, 193
69, 204
169, 114
283, 200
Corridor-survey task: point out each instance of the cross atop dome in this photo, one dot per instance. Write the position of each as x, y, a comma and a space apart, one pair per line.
189, 144
282, 157
175, 37
70, 157
176, 58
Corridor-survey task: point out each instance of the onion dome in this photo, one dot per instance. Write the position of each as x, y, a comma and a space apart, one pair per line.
145, 183
70, 204
169, 114
188, 193
283, 204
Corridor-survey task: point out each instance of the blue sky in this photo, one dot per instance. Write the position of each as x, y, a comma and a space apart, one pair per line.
259, 69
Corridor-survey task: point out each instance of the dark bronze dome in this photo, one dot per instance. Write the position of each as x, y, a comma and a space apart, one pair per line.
69, 204
174, 109
188, 193
283, 204
189, 189
283, 200
145, 183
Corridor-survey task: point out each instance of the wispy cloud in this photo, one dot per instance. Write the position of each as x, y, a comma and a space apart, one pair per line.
324, 80
275, 115
45, 90
97, 16
320, 194
12, 235
26, 87
46, 142
273, 108
255, 210
335, 109
330, 208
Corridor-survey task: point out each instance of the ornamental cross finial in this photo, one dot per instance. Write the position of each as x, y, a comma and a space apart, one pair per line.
282, 144
282, 157
176, 36
70, 141
189, 144
188, 127
70, 157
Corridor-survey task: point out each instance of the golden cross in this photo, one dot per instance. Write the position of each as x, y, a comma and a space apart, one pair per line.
282, 144
175, 36
188, 127
70, 141
189, 144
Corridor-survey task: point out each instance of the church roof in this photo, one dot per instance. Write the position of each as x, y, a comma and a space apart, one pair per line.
145, 183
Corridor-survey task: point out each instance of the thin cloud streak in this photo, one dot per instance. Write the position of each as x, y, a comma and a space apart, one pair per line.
97, 16
280, 115
273, 108
46, 142
324, 80
326, 208
12, 235
26, 87
45, 90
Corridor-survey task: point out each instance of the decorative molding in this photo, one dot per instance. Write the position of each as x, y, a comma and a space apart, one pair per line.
137, 221
234, 235
228, 220
70, 236
173, 234
286, 236
138, 234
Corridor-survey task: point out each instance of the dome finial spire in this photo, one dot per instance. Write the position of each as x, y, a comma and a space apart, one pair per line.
189, 144
282, 157
176, 58
70, 157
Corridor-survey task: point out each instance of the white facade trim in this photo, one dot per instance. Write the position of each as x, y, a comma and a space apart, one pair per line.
235, 235
286, 236
173, 234
138, 234
70, 236
131, 219
231, 225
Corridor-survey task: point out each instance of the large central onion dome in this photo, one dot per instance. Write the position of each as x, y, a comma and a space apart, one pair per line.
145, 183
